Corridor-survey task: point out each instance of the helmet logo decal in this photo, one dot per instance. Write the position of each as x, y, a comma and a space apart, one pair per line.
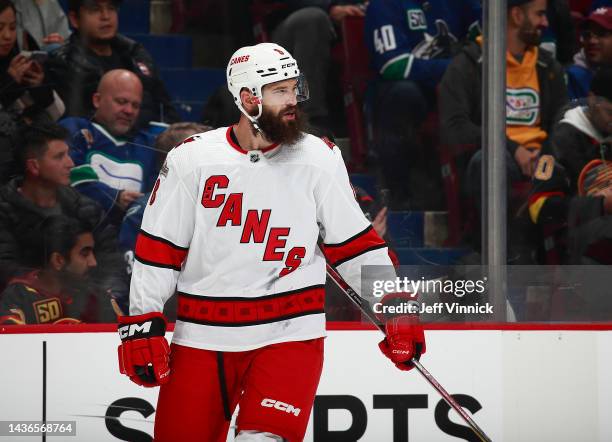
241, 59
279, 51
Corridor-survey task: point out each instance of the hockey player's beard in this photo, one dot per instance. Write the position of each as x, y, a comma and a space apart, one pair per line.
279, 131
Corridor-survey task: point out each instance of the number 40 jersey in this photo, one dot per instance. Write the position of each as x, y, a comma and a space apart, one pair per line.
415, 39
235, 233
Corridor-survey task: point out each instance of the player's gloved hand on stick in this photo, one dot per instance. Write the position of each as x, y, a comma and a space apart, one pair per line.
144, 352
405, 338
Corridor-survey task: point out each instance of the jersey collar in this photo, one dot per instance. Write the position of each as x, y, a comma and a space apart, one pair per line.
235, 145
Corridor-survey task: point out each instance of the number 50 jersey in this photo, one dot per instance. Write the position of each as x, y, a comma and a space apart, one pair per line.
235, 234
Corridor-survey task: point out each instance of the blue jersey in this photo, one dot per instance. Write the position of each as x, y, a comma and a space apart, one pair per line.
105, 165
413, 39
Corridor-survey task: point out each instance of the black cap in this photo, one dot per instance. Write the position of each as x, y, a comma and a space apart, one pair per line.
75, 5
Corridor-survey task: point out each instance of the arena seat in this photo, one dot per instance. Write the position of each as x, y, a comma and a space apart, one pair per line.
169, 50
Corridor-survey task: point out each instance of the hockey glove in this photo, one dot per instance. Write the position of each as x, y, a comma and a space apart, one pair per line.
144, 352
405, 338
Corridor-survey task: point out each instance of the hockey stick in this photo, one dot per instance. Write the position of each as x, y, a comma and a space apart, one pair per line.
359, 302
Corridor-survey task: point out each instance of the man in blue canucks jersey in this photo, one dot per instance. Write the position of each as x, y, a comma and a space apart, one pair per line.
411, 43
114, 165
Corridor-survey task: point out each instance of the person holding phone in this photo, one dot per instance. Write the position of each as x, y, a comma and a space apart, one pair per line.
25, 97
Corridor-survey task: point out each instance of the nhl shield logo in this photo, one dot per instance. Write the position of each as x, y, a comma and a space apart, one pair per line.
254, 157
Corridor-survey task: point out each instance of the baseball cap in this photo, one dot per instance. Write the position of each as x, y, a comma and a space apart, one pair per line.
75, 5
602, 17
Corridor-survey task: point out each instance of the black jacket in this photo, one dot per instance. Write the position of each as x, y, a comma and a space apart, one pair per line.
12, 114
460, 96
20, 220
75, 71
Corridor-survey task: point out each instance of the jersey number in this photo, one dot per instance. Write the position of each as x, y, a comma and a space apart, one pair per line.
545, 167
384, 39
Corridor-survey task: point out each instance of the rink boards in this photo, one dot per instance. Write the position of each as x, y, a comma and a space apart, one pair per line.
522, 385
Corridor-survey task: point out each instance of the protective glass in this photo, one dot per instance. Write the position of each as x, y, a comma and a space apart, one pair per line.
286, 92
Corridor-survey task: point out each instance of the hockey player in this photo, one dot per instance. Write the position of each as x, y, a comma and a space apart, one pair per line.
232, 226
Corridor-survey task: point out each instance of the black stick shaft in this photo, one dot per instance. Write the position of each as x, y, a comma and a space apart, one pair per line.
364, 307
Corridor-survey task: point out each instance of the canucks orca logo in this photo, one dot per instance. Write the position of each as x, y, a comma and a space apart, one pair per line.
436, 46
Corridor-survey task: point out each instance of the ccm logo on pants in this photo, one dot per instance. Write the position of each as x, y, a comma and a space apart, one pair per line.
287, 408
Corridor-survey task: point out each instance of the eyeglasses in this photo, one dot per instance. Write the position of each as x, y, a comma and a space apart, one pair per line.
599, 33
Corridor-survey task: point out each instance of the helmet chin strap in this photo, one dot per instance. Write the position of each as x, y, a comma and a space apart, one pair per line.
253, 119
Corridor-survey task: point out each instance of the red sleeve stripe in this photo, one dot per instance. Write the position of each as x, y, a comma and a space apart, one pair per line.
363, 242
159, 252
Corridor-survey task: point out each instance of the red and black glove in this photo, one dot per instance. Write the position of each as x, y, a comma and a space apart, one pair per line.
405, 338
144, 352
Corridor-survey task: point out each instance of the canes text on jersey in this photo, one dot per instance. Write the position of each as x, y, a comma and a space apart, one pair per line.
255, 228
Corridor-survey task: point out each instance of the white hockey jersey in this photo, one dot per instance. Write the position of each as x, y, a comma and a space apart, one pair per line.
235, 234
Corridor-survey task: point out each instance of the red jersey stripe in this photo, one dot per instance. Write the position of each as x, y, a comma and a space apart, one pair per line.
351, 248
159, 252
239, 312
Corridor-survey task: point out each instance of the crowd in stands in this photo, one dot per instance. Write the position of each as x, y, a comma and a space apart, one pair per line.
82, 106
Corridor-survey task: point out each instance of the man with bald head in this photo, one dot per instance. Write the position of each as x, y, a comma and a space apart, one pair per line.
96, 47
114, 162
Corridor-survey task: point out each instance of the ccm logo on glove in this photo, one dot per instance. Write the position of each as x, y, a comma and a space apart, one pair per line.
131, 330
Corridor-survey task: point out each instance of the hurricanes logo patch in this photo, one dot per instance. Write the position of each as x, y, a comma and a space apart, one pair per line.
522, 106
329, 142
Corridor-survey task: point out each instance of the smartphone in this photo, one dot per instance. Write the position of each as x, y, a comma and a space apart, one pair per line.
38, 56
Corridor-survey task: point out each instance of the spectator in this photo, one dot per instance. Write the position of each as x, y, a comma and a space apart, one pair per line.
24, 94
44, 20
560, 37
535, 93
95, 48
306, 29
114, 164
44, 191
561, 197
410, 44
596, 42
59, 292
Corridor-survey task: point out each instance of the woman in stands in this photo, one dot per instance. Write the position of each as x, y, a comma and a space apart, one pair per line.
24, 95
